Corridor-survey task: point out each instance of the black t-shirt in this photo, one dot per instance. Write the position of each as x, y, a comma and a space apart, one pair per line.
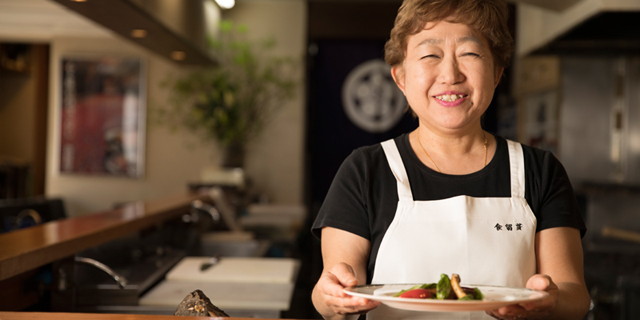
363, 196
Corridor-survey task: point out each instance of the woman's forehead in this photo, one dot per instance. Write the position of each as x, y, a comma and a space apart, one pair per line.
436, 33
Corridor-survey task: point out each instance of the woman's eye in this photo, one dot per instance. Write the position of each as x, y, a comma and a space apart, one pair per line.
430, 56
472, 54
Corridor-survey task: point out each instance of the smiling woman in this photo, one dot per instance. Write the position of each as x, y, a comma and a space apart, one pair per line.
453, 65
448, 196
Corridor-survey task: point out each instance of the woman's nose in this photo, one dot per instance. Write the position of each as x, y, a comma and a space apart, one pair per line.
450, 72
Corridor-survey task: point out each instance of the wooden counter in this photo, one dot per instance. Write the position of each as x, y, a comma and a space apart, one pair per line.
95, 316
27, 249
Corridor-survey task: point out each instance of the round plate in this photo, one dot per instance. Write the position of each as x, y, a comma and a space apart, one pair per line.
494, 297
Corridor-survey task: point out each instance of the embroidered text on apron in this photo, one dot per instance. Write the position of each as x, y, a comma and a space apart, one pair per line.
487, 241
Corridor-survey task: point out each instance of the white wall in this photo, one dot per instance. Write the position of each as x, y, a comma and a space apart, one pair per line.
274, 160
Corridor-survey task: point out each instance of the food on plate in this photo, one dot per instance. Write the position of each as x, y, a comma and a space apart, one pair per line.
418, 293
445, 289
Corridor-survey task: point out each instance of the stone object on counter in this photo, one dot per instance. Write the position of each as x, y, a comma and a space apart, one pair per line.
197, 304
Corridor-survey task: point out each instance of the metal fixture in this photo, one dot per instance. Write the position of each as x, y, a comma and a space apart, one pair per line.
207, 208
122, 282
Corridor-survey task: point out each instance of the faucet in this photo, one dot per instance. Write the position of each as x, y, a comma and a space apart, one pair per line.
211, 210
122, 282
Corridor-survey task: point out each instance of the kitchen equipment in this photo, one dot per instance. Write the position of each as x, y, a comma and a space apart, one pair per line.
235, 270
621, 234
600, 119
612, 253
208, 264
242, 287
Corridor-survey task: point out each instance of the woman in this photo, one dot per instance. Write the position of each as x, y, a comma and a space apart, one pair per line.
450, 197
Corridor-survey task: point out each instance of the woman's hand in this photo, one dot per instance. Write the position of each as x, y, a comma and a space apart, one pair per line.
532, 310
329, 291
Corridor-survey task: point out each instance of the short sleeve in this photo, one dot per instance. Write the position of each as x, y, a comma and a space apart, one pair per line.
344, 207
551, 195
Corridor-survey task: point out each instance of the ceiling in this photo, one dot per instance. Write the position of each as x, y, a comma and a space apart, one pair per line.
43, 20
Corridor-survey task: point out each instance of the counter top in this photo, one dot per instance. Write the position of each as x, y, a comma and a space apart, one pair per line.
95, 316
27, 249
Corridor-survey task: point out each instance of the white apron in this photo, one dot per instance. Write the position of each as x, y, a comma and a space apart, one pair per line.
487, 241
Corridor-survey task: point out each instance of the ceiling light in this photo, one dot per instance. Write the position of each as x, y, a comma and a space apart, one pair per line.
226, 4
139, 33
79, 0
178, 55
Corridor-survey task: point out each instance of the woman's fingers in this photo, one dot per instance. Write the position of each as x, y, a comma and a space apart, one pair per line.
351, 304
543, 283
332, 286
531, 310
345, 274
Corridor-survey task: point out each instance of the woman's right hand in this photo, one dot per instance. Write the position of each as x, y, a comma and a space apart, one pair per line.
329, 291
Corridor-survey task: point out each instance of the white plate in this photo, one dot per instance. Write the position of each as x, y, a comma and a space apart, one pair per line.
494, 297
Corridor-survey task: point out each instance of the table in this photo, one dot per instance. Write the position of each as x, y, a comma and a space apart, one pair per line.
96, 316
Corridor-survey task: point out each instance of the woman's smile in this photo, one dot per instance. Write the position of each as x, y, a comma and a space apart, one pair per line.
451, 99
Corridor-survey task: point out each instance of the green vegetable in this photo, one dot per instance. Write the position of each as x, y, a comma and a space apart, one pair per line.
428, 286
478, 294
443, 289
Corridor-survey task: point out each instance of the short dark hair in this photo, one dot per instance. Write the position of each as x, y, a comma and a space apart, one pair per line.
489, 17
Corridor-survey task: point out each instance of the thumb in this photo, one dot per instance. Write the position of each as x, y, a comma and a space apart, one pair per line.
539, 282
345, 274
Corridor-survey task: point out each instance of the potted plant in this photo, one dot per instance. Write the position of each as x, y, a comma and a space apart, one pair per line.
230, 103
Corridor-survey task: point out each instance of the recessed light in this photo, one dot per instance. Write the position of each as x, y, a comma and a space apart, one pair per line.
226, 4
178, 55
78, 0
139, 33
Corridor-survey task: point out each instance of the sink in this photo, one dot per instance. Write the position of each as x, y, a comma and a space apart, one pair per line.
95, 287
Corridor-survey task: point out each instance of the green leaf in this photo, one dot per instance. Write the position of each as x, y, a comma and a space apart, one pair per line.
232, 101
443, 288
226, 25
478, 295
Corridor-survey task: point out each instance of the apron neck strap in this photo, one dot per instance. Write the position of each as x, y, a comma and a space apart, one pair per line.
397, 168
516, 163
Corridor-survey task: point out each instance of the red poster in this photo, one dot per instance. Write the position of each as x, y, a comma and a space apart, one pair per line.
102, 128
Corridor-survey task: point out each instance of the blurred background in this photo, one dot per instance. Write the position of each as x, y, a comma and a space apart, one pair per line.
572, 88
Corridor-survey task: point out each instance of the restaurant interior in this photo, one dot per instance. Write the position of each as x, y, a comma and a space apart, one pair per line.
113, 195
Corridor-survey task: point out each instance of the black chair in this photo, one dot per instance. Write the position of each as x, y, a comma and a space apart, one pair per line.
22, 213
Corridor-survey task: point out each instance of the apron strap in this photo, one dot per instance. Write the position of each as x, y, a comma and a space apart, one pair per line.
397, 168
516, 161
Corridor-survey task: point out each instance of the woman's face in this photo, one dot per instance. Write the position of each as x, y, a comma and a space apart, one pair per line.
448, 76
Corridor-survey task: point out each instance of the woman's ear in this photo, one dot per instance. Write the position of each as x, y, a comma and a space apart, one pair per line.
498, 76
397, 72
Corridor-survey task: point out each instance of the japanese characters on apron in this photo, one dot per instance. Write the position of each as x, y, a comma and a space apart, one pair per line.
487, 241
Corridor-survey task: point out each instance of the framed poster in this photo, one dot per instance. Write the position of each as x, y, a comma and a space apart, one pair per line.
103, 116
